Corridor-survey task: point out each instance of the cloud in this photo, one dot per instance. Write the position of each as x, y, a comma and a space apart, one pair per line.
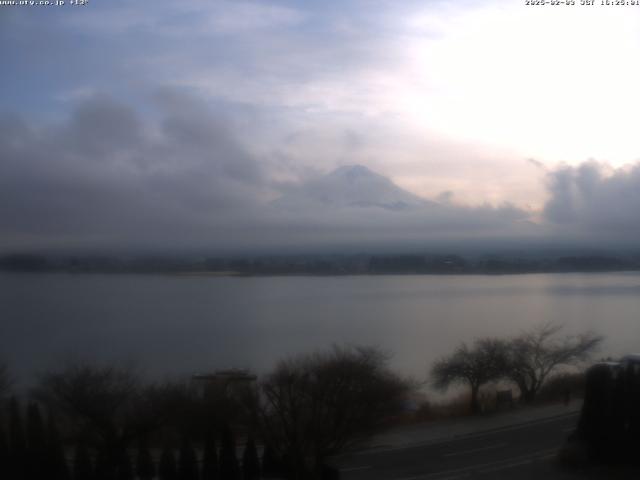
104, 175
175, 19
178, 173
362, 229
349, 82
182, 175
595, 201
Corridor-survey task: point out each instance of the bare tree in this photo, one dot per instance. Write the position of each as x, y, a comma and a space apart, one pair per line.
537, 353
475, 365
104, 404
318, 405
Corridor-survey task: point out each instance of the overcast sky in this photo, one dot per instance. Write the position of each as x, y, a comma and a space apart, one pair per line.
177, 123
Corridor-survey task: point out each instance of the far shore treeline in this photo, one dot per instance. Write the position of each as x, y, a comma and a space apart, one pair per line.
105, 422
324, 264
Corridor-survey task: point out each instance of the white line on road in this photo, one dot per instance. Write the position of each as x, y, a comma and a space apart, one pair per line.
474, 450
467, 436
517, 464
489, 466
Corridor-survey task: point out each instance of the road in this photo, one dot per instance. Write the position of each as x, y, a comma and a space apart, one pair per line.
516, 452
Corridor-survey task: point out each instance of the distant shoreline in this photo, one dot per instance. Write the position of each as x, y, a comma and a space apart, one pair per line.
386, 274
235, 274
325, 265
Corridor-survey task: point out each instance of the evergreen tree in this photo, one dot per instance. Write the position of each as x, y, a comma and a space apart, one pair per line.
56, 460
17, 443
228, 461
271, 464
210, 459
250, 462
145, 467
104, 466
188, 462
4, 450
37, 466
167, 468
125, 469
82, 465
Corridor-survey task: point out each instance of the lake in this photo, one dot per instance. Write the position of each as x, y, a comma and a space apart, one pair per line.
185, 324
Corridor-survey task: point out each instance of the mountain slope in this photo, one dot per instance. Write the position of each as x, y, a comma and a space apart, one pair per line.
351, 186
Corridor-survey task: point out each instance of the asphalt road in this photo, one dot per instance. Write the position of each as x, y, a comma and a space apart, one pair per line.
517, 452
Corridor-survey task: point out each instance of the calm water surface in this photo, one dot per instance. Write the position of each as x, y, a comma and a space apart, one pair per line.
171, 325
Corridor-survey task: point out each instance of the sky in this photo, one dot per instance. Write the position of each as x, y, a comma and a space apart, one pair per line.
181, 123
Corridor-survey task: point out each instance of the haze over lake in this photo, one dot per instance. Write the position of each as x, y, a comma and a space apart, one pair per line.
181, 324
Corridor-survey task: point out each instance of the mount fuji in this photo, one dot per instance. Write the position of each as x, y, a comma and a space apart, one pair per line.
352, 186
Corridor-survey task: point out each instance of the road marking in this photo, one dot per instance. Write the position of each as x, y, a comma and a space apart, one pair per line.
354, 469
517, 464
489, 466
466, 436
567, 430
474, 450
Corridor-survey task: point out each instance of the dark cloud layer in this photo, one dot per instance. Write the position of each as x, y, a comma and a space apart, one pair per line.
183, 176
594, 201
108, 176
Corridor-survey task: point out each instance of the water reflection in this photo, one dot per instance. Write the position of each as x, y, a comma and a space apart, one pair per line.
181, 324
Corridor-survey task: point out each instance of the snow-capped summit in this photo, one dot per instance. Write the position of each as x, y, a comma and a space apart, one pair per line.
353, 172
351, 186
